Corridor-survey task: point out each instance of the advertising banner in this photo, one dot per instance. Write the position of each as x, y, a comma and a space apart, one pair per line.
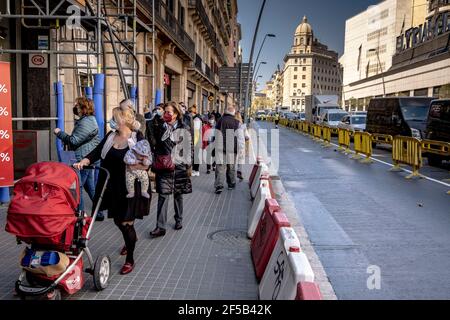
6, 130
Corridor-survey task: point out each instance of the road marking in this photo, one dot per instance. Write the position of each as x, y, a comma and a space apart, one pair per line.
405, 170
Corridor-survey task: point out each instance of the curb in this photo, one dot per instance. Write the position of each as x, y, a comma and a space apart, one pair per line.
290, 210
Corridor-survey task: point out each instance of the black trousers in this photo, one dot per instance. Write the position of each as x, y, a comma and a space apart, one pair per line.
163, 208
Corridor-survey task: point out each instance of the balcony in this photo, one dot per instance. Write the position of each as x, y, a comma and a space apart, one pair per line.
200, 16
171, 28
203, 71
221, 22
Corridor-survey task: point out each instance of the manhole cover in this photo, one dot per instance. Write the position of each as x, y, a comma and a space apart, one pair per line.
230, 238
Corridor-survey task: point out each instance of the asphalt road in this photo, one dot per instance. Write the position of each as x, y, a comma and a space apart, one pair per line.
359, 216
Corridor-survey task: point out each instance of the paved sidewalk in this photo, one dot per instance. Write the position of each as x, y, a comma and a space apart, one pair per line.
208, 260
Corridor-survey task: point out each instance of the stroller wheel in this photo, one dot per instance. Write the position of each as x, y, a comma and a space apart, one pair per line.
102, 270
54, 295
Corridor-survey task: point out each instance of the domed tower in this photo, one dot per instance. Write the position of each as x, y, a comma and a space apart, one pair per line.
304, 37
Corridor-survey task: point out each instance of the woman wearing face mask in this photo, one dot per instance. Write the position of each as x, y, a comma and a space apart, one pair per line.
172, 176
208, 139
111, 151
83, 140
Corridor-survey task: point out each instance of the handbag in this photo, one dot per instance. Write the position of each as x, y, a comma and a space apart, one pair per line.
163, 163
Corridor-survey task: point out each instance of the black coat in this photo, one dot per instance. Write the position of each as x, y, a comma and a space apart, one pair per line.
177, 182
227, 122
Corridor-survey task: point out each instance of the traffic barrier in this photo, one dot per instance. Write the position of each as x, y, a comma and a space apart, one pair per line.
312, 129
382, 138
263, 194
259, 161
266, 235
344, 137
326, 134
318, 132
363, 145
308, 291
263, 169
334, 131
436, 147
287, 267
407, 151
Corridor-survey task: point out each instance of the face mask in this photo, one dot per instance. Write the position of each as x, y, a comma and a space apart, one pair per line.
160, 113
183, 110
167, 118
113, 124
212, 122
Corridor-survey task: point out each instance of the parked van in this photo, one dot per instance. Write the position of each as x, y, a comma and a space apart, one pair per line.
333, 117
438, 127
404, 116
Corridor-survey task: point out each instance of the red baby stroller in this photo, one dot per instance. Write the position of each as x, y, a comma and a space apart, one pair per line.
44, 214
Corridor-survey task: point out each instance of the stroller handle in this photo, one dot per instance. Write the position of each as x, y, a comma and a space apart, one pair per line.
98, 169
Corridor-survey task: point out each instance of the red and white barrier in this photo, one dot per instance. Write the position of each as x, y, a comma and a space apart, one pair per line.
266, 235
308, 291
288, 267
258, 207
259, 162
263, 170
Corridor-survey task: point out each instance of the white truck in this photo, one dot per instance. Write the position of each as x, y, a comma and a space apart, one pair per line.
316, 104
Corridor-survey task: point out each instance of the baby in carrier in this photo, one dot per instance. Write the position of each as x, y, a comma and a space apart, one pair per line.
139, 154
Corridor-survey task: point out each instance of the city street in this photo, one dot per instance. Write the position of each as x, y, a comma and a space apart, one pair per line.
360, 215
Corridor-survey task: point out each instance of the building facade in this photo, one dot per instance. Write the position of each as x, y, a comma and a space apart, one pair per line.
403, 59
177, 60
310, 69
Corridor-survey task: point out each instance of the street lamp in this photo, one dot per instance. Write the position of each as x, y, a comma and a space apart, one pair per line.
379, 63
269, 35
257, 69
250, 61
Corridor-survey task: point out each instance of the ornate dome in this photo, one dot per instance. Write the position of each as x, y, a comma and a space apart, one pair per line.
304, 27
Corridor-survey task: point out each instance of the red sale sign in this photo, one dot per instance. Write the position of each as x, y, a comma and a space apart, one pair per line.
6, 130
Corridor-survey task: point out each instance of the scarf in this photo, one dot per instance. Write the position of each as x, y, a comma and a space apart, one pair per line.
169, 131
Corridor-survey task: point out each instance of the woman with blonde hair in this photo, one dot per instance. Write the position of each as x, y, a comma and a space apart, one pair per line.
111, 151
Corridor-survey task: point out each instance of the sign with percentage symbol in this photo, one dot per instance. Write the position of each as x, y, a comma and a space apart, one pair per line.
6, 139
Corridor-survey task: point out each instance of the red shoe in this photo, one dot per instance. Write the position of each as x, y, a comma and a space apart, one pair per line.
127, 268
124, 251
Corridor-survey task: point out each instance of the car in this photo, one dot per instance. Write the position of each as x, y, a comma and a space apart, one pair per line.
438, 128
332, 117
260, 115
358, 113
353, 122
290, 116
398, 116
301, 116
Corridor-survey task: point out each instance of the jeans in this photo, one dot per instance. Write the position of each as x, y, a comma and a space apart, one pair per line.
87, 181
163, 208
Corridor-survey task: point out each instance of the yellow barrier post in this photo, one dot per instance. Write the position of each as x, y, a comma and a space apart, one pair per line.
363, 145
344, 136
408, 151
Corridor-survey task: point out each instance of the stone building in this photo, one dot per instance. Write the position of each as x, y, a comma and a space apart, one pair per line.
310, 69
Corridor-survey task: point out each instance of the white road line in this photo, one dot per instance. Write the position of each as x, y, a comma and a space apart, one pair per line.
405, 170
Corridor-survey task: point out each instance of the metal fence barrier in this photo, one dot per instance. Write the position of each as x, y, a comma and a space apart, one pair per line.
363, 145
436, 147
407, 151
344, 138
326, 136
382, 138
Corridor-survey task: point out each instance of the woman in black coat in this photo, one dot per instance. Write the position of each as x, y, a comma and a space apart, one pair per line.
172, 139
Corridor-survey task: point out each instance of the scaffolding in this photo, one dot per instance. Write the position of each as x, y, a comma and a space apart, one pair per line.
89, 31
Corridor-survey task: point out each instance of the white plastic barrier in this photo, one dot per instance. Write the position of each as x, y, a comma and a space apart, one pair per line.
258, 207
287, 267
263, 169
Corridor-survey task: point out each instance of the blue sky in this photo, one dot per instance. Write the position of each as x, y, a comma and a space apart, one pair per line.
281, 17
